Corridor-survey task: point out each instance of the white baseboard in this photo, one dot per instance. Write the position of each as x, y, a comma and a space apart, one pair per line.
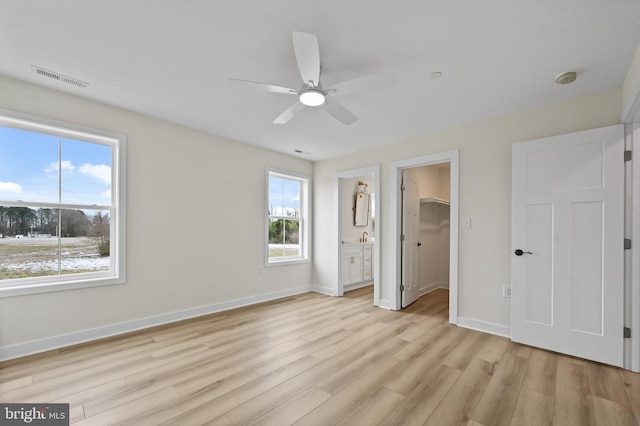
422, 290
433, 286
386, 304
357, 286
60, 341
329, 291
486, 327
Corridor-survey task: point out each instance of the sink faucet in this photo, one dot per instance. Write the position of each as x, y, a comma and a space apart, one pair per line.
364, 239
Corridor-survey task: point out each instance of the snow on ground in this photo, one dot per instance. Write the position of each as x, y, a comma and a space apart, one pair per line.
78, 254
70, 264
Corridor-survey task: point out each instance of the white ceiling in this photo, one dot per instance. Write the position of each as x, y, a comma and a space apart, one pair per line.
171, 59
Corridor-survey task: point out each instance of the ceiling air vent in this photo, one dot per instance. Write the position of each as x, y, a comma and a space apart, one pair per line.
59, 77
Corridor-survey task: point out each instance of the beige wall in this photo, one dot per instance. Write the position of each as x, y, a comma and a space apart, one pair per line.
485, 195
631, 87
444, 178
433, 181
195, 224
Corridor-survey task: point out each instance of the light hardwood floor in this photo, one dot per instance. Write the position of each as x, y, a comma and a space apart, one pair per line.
319, 360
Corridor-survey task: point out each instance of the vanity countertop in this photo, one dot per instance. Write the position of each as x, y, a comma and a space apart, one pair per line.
356, 243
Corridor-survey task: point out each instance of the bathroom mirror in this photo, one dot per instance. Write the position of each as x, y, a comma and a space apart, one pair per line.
362, 209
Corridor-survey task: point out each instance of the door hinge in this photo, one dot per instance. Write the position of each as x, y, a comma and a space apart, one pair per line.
627, 244
402, 237
403, 187
401, 287
627, 333
627, 156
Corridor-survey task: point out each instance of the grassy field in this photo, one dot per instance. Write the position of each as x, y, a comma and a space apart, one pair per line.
9, 250
279, 251
35, 257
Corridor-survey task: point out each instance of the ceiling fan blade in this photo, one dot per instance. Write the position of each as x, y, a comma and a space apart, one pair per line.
362, 84
339, 112
263, 86
289, 113
307, 53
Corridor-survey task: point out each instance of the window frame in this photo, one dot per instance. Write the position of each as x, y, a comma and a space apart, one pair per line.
117, 211
305, 218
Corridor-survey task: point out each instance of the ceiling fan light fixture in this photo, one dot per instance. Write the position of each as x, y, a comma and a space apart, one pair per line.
312, 97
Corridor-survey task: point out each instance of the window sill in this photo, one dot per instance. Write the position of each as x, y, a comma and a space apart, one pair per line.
287, 262
48, 287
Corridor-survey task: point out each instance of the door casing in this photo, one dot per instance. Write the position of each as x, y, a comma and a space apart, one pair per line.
632, 230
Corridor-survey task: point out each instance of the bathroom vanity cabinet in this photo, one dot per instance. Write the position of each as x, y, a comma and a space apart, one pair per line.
357, 265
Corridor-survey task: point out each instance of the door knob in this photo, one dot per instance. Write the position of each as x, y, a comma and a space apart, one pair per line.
419, 244
519, 252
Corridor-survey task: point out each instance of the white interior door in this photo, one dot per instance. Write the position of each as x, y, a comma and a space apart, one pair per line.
567, 242
410, 227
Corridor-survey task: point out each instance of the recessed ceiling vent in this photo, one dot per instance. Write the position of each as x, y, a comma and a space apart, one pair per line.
59, 77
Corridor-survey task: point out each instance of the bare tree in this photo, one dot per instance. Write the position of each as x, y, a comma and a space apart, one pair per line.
100, 232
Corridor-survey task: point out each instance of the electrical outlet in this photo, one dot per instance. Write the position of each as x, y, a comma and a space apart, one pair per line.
506, 292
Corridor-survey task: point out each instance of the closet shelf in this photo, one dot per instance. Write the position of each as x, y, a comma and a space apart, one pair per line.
434, 200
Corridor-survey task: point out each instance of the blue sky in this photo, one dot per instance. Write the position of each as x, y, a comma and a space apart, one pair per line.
284, 196
29, 169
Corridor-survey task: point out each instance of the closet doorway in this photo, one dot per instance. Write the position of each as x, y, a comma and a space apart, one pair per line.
426, 228
426, 200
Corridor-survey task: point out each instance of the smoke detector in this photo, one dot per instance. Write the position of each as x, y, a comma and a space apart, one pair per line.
566, 77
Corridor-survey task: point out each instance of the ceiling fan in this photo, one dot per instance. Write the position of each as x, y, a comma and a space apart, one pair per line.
312, 94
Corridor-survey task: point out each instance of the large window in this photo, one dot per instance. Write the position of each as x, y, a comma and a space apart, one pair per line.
287, 230
61, 209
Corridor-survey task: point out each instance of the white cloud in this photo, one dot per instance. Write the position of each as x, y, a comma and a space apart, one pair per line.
107, 194
10, 188
284, 212
67, 167
101, 172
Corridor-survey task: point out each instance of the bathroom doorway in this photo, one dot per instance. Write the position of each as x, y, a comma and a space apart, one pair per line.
358, 238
